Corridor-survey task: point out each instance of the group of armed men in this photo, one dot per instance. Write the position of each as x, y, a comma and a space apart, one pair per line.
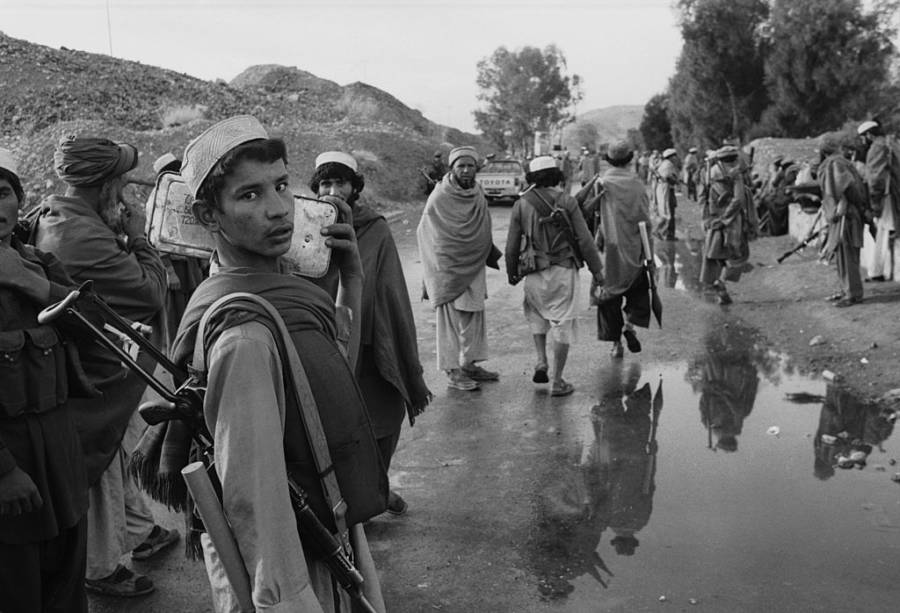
75, 455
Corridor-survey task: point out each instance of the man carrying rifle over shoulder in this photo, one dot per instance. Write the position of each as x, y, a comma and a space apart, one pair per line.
239, 180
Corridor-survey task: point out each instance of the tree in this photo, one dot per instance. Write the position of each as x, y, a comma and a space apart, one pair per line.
655, 128
525, 91
830, 61
585, 134
718, 88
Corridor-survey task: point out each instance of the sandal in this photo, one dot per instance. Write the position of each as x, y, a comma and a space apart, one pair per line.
631, 339
122, 582
540, 374
562, 388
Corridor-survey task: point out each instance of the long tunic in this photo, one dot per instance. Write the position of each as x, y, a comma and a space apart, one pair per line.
883, 178
132, 280
667, 178
842, 193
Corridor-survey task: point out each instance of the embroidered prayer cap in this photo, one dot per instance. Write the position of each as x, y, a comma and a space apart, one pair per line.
866, 126
668, 153
460, 152
542, 162
162, 161
8, 162
204, 152
337, 157
87, 161
618, 151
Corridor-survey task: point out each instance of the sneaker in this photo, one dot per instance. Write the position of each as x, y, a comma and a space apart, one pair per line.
396, 505
122, 582
477, 373
617, 351
459, 381
631, 339
158, 539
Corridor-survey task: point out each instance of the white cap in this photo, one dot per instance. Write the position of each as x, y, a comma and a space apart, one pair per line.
337, 157
542, 162
162, 161
204, 152
8, 162
866, 126
668, 153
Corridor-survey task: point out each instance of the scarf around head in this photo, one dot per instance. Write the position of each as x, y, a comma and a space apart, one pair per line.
91, 161
454, 237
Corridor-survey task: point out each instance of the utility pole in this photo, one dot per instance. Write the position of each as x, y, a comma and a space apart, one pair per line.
108, 28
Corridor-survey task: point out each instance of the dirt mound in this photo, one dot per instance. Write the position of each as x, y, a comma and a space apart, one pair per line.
50, 92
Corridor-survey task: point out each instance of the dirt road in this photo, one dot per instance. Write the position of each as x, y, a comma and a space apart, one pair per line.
678, 477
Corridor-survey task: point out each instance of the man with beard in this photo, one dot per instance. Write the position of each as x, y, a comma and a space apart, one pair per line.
43, 488
83, 228
388, 369
455, 245
843, 199
883, 177
613, 214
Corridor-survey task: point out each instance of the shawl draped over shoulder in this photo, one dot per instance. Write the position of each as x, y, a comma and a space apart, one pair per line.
454, 237
387, 319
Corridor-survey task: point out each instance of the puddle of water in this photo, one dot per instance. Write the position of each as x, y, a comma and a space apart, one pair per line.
719, 480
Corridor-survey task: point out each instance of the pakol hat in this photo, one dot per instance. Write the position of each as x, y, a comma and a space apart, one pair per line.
337, 157
618, 151
866, 126
8, 162
460, 152
543, 162
204, 152
162, 161
668, 153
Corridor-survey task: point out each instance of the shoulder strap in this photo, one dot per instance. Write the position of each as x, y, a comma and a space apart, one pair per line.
543, 207
298, 386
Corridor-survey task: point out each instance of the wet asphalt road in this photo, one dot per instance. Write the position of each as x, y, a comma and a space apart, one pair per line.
688, 483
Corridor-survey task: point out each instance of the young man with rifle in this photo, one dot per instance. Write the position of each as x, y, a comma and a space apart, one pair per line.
239, 179
547, 224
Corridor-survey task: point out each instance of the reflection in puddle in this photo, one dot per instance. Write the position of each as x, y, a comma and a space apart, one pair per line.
630, 499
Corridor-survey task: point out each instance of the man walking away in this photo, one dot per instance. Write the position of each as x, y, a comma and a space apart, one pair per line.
552, 286
883, 178
666, 180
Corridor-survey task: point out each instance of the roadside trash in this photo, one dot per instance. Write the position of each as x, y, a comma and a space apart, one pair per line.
692, 600
892, 462
873, 346
773, 430
864, 361
828, 375
829, 439
816, 340
663, 598
895, 478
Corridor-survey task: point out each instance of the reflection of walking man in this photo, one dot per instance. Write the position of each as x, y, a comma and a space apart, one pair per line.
455, 244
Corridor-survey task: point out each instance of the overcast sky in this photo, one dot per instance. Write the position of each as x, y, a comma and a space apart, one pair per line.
424, 52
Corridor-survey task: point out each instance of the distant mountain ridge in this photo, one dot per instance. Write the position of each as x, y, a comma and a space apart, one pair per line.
612, 123
49, 92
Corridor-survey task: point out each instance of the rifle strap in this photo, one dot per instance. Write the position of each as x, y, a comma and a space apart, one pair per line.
296, 383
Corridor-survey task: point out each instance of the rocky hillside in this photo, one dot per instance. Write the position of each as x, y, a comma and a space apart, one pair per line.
50, 92
612, 123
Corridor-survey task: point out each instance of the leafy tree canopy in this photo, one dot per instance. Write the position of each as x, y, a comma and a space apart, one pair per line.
655, 128
525, 91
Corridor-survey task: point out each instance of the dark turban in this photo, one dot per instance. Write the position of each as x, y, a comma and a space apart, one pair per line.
91, 161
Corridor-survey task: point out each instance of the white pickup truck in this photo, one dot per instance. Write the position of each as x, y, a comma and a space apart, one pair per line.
501, 180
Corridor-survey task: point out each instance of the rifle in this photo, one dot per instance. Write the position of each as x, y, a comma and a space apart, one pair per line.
811, 236
185, 403
560, 219
431, 181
